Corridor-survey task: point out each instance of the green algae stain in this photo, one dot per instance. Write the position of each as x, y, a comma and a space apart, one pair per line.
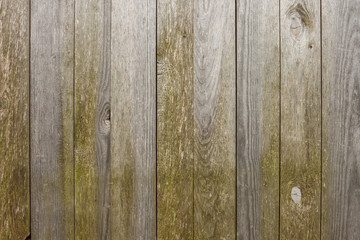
87, 75
175, 124
14, 121
270, 155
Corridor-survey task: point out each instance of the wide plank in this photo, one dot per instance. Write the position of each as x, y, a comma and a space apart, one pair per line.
14, 119
92, 119
300, 120
133, 119
175, 119
341, 119
51, 98
214, 120
258, 116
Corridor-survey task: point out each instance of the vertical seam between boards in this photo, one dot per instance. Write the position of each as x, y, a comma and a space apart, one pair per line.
74, 121
110, 113
29, 111
236, 119
156, 120
194, 118
280, 72
321, 122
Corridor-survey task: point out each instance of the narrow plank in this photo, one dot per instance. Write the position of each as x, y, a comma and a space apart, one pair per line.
92, 119
341, 119
300, 120
258, 115
133, 135
214, 115
14, 119
175, 128
51, 112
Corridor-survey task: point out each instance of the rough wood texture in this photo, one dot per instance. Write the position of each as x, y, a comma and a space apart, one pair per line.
52, 196
133, 135
300, 119
175, 128
14, 119
214, 116
258, 82
341, 119
92, 119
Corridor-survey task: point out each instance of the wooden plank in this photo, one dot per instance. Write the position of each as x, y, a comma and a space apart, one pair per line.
133, 135
341, 119
214, 116
92, 119
258, 115
175, 128
52, 195
300, 120
14, 119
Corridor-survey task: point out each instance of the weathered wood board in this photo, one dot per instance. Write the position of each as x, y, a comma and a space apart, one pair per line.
14, 119
341, 119
133, 119
175, 124
214, 119
258, 94
300, 120
51, 98
92, 119
177, 119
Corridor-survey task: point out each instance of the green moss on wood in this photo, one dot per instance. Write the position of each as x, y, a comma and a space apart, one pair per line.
270, 155
87, 79
175, 122
14, 124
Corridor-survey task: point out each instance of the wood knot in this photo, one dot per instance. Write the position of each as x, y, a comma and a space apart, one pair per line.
105, 119
300, 19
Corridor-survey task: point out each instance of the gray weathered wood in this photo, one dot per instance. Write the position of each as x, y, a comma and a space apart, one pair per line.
300, 119
52, 197
341, 119
214, 116
175, 128
14, 119
92, 119
133, 119
258, 82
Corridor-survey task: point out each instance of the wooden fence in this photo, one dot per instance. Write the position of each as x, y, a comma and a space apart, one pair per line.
180, 119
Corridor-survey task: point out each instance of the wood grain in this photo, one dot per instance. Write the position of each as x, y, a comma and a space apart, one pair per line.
300, 119
341, 119
175, 128
92, 119
214, 115
52, 196
14, 119
258, 85
133, 135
